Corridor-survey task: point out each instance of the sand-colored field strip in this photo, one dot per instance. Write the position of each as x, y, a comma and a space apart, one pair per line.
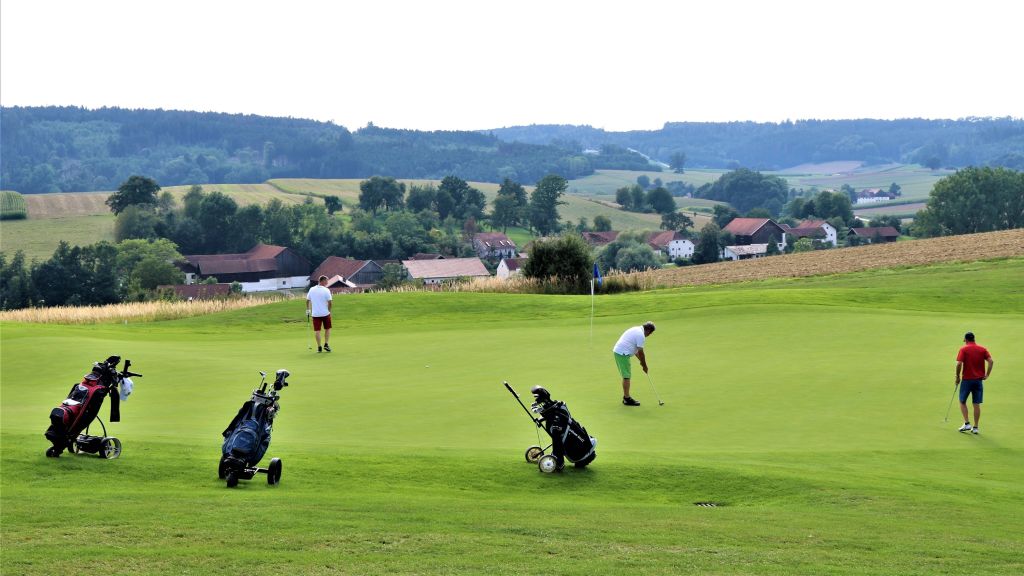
969, 247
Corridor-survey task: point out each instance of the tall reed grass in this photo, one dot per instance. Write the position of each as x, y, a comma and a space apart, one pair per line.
132, 311
613, 283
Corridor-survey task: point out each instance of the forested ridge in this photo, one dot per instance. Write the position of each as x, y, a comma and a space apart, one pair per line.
774, 146
72, 149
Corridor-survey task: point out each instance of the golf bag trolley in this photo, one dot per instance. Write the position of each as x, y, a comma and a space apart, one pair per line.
247, 438
569, 439
69, 422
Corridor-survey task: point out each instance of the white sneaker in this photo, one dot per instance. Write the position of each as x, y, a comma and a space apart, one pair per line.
974, 430
965, 428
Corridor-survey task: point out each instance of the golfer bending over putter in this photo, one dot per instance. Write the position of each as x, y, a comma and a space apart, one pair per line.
971, 361
318, 304
630, 344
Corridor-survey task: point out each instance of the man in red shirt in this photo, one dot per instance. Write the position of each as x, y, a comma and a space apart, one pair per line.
971, 363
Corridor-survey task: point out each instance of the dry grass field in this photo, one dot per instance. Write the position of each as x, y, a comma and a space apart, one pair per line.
1004, 244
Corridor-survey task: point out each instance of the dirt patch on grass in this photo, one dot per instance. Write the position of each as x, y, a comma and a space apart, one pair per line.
964, 248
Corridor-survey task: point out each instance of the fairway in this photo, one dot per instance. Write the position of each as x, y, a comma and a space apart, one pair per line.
810, 410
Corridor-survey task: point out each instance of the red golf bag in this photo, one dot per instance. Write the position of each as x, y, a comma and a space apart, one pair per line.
69, 422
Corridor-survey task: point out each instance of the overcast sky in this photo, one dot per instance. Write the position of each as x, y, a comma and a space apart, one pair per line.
444, 64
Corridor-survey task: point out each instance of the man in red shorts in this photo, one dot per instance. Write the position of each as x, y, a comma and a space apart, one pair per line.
318, 303
971, 362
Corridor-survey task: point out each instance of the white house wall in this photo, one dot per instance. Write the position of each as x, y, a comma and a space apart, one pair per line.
269, 284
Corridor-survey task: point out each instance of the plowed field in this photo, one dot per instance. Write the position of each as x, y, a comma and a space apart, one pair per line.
912, 253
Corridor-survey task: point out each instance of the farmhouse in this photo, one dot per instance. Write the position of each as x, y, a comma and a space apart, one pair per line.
493, 245
263, 267
882, 233
745, 252
814, 229
671, 243
438, 271
510, 267
348, 272
756, 231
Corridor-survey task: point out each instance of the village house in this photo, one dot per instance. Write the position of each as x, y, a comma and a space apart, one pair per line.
438, 271
882, 233
493, 245
815, 230
872, 196
745, 252
749, 231
262, 268
348, 273
672, 244
510, 267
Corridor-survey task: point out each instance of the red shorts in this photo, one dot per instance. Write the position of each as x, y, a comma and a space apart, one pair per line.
322, 320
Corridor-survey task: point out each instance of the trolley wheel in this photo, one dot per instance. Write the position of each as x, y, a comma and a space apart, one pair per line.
547, 464
533, 453
110, 448
222, 469
232, 479
274, 472
51, 452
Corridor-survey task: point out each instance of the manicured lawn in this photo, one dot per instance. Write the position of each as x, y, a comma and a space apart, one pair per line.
810, 410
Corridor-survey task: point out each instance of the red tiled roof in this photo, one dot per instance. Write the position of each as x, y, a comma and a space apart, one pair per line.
661, 240
812, 224
447, 268
260, 258
494, 240
337, 266
883, 231
746, 226
514, 263
806, 232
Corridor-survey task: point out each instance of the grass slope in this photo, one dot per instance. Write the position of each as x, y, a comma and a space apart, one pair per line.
811, 409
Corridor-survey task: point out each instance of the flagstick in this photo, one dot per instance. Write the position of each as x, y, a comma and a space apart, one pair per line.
591, 313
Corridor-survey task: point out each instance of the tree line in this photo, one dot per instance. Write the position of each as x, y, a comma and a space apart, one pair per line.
72, 149
767, 146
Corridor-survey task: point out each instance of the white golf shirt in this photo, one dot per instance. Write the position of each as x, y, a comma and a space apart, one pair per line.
630, 341
319, 296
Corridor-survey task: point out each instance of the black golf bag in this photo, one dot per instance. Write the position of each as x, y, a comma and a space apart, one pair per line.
569, 439
247, 438
69, 422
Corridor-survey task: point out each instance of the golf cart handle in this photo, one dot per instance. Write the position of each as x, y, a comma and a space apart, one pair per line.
125, 373
511, 390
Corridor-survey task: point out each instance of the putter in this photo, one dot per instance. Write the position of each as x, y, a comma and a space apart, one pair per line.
951, 401
660, 403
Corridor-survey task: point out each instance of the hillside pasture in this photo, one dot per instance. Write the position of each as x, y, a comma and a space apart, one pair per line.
38, 238
403, 453
915, 181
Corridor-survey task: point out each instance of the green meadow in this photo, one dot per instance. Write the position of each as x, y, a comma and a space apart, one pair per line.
810, 411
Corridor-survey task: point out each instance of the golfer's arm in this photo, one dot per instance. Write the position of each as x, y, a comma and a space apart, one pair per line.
991, 363
640, 356
959, 367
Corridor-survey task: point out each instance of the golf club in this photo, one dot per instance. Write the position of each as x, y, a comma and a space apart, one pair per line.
951, 401
660, 403
310, 347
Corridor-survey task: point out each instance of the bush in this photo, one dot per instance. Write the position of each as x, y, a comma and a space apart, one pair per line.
563, 264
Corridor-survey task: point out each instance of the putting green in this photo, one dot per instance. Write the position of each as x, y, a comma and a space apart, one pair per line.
810, 410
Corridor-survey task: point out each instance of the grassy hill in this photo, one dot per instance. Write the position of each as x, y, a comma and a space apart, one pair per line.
83, 217
815, 421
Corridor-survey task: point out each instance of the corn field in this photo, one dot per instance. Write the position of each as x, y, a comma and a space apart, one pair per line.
12, 206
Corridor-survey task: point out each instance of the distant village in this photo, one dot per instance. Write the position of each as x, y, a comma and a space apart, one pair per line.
269, 268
